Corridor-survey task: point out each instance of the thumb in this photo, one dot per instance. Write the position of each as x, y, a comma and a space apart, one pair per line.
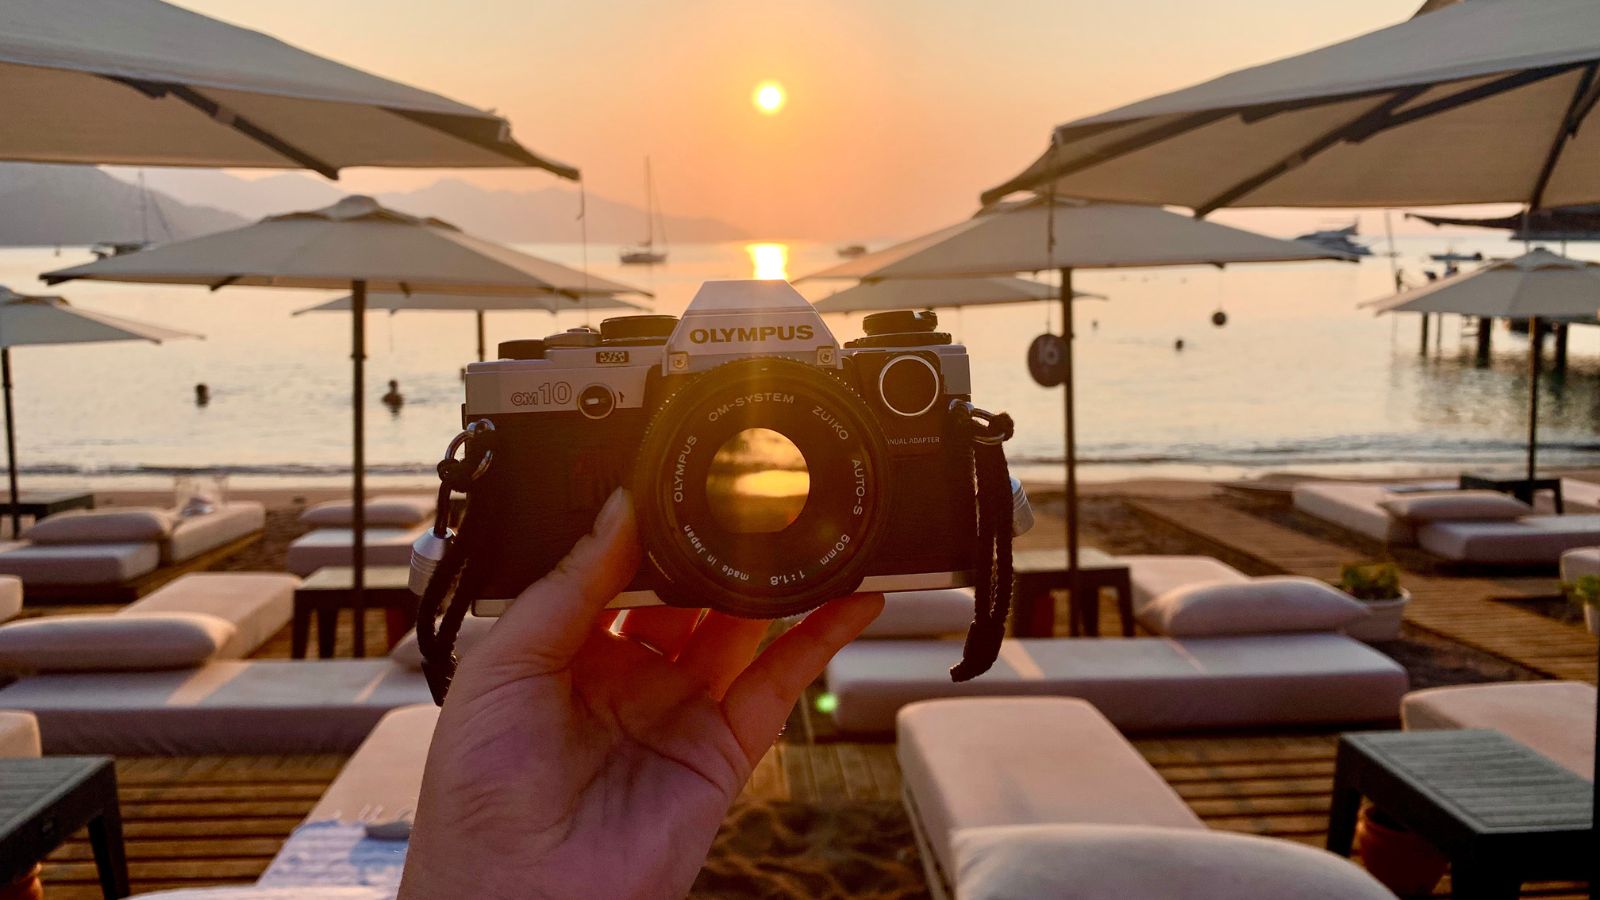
549, 622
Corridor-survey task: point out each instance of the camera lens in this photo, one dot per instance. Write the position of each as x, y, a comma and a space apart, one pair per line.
758, 489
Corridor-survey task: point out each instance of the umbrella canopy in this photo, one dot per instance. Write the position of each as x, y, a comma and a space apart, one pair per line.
1563, 223
355, 243
1474, 102
355, 239
1051, 233
1536, 285
1039, 234
878, 295
548, 302
30, 320
141, 82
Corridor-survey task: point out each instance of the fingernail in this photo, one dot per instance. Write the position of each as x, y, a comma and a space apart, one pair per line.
612, 514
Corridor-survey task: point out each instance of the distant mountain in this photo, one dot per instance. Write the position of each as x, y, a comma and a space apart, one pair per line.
548, 215
45, 206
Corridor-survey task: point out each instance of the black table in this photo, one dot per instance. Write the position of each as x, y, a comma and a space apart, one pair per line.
44, 801
327, 591
1502, 813
1517, 486
1038, 572
39, 504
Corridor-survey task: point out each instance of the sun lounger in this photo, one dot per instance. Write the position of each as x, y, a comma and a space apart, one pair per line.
1141, 684
1153, 576
334, 547
10, 597
95, 549
19, 734
922, 614
1036, 797
259, 604
1555, 718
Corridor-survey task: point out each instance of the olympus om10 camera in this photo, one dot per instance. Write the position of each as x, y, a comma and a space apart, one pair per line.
771, 468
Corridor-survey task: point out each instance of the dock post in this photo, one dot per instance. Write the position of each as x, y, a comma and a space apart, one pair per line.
1485, 337
1561, 346
1424, 350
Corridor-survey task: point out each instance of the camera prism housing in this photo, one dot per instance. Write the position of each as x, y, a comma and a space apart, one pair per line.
771, 468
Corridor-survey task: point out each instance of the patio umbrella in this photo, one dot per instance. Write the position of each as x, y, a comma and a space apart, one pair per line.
1474, 102
943, 292
1564, 223
355, 243
1045, 233
1537, 286
31, 320
141, 82
551, 302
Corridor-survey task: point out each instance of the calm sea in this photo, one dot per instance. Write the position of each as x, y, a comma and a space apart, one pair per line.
1299, 378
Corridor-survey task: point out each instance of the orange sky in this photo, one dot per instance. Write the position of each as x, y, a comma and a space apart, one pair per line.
899, 112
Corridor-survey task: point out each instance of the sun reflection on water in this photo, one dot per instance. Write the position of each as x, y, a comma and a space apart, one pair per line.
769, 262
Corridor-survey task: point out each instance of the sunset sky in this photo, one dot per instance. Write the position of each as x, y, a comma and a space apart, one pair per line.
898, 112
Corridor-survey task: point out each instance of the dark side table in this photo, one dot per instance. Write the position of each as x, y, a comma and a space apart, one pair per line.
1500, 812
1038, 572
1517, 486
44, 801
326, 591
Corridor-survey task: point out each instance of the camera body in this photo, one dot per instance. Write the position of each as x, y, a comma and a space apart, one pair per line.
772, 469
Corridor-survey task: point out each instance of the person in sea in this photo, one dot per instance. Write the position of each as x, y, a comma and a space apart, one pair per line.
202, 395
394, 399
577, 759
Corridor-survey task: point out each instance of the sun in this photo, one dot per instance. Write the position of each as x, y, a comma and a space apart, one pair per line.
769, 97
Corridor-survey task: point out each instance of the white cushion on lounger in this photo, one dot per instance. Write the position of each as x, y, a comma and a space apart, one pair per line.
258, 604
78, 564
133, 525
385, 774
1354, 506
1093, 862
922, 614
332, 547
1271, 604
1422, 507
10, 597
19, 734
1152, 576
399, 511
256, 706
195, 535
1532, 540
1577, 563
98, 642
473, 629
1555, 718
1024, 760
1148, 684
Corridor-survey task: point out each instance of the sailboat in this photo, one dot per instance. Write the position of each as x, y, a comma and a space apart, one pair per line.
646, 253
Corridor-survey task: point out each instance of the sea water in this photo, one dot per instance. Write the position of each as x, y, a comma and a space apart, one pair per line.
1298, 379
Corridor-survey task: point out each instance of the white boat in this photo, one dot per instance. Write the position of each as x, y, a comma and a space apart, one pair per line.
851, 251
1339, 239
646, 254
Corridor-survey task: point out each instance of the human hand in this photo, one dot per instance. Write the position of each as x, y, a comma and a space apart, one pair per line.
573, 761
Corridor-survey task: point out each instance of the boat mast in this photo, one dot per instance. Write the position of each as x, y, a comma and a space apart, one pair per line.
650, 208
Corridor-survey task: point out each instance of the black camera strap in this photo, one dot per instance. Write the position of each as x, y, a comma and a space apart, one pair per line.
992, 556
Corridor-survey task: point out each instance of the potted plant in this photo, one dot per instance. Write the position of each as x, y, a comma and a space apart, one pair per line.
1585, 591
1378, 586
1397, 856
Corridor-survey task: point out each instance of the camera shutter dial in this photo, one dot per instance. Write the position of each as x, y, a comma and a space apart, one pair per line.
908, 385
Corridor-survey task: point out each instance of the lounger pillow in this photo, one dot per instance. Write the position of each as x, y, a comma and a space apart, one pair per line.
382, 512
1273, 604
1455, 506
1091, 862
107, 526
112, 643
473, 628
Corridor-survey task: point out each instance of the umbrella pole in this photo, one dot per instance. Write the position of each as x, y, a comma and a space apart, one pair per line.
1071, 455
1533, 402
11, 443
358, 507
480, 336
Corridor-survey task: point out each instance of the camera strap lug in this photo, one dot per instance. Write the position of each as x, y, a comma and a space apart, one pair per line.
992, 557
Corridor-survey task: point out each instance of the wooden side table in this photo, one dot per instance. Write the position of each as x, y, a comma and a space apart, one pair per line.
327, 591
44, 801
1038, 572
1502, 813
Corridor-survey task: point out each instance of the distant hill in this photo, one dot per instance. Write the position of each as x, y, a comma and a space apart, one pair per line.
46, 206
548, 215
